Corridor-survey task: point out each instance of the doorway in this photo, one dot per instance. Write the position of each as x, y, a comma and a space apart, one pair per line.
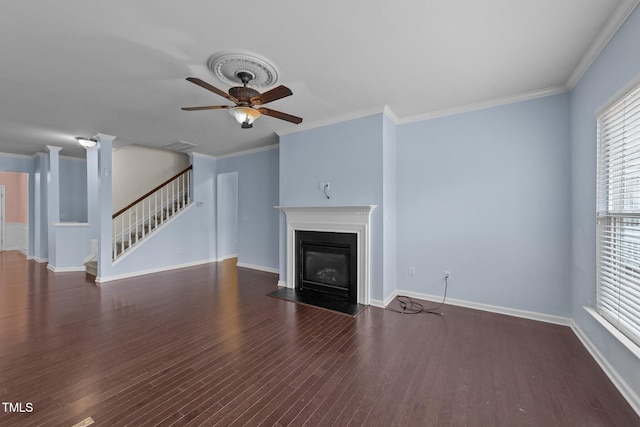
14, 211
227, 215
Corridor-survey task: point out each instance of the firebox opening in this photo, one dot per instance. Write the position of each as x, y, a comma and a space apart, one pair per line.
327, 264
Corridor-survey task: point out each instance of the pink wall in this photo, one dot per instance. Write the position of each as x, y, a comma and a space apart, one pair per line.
16, 196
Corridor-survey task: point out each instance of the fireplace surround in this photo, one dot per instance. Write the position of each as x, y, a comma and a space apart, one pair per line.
337, 219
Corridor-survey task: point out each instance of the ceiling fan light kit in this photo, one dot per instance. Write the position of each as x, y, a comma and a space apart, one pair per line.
245, 116
235, 68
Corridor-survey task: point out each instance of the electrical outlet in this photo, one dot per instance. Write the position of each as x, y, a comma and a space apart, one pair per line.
447, 274
321, 186
412, 271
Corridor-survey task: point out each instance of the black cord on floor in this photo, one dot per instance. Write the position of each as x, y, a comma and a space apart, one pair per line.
409, 306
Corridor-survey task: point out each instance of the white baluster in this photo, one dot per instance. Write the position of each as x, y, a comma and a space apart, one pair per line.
122, 232
155, 209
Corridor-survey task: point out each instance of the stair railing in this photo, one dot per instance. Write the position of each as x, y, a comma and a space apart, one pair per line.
134, 222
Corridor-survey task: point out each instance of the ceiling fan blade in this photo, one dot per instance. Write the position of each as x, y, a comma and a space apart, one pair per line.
213, 89
271, 95
280, 115
209, 107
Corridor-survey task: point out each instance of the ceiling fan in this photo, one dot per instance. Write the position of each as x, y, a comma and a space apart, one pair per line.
246, 100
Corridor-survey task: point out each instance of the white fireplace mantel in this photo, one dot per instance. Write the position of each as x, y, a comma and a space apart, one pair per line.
339, 219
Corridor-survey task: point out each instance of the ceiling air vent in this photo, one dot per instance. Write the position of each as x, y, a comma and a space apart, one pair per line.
181, 146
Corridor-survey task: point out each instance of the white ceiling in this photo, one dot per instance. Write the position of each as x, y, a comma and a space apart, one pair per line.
78, 67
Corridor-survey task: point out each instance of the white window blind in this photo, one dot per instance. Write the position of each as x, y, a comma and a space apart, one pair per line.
618, 215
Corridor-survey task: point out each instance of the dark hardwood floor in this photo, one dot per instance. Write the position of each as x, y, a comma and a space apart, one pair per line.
206, 346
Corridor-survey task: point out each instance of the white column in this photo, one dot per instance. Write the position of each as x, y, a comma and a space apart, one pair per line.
104, 211
53, 199
93, 212
41, 232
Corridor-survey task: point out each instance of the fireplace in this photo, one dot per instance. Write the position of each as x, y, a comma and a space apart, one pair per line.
326, 263
348, 220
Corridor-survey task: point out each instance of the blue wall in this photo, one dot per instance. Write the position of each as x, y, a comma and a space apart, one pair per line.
73, 190
257, 195
348, 155
389, 205
15, 163
616, 66
485, 195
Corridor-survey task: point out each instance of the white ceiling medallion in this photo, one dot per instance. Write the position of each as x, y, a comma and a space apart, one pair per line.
226, 64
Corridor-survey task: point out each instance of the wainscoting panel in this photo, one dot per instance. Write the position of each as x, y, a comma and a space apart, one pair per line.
16, 236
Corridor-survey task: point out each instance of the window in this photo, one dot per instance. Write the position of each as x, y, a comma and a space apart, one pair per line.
618, 215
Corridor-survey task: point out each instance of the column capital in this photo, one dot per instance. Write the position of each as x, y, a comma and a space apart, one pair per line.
53, 148
104, 137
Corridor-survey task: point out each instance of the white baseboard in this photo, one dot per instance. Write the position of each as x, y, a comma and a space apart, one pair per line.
282, 283
175, 267
531, 315
382, 303
65, 269
258, 267
226, 257
376, 303
100, 280
617, 380
40, 260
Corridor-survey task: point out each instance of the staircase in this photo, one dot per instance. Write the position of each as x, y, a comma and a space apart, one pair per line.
135, 234
91, 267
140, 219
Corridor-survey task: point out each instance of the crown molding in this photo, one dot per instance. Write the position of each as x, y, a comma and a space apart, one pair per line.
486, 104
249, 151
17, 156
386, 110
78, 159
335, 120
202, 155
612, 26
236, 153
